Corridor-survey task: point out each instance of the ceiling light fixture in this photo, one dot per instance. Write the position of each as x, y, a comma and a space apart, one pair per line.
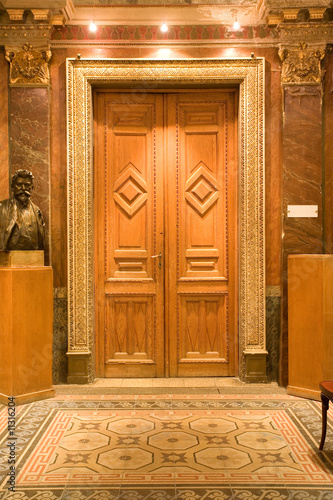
92, 26
164, 27
236, 24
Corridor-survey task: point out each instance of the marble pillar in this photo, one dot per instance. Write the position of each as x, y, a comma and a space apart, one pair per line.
29, 121
302, 165
328, 126
27, 129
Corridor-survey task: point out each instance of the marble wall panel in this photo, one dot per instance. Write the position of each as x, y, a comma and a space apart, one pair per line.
302, 167
273, 168
60, 327
328, 113
273, 330
4, 153
302, 185
58, 168
30, 144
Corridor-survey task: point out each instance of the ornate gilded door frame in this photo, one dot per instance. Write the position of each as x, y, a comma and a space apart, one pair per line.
248, 74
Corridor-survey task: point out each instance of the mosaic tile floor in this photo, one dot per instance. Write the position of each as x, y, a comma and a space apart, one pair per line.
168, 447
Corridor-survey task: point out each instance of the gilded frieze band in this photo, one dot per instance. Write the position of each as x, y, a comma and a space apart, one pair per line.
82, 75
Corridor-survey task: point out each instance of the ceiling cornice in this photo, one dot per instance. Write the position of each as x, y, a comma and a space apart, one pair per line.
292, 20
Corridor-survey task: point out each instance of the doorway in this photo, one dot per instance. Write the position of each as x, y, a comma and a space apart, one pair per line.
165, 202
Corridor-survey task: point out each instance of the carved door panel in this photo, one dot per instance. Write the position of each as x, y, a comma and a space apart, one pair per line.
165, 261
201, 231
129, 231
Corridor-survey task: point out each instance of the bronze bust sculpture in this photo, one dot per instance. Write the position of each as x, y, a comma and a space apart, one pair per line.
21, 222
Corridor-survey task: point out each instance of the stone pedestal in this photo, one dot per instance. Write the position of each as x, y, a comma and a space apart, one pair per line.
26, 319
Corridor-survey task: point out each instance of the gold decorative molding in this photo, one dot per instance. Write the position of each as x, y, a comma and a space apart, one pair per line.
15, 35
290, 14
317, 12
29, 66
41, 14
301, 65
15, 14
318, 34
274, 18
248, 74
58, 20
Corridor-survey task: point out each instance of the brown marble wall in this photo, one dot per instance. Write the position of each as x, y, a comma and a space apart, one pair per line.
4, 153
273, 169
273, 329
302, 185
30, 144
59, 348
328, 123
58, 168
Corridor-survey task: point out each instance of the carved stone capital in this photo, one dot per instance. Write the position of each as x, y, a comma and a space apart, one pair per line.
301, 65
29, 66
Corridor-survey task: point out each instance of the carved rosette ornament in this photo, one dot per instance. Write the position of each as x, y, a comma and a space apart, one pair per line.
301, 65
29, 66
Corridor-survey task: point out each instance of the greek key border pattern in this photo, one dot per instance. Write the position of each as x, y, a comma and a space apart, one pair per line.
248, 73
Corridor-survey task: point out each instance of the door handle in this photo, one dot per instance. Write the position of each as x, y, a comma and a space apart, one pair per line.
159, 256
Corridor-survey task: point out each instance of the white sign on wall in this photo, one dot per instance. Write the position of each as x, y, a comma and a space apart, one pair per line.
302, 210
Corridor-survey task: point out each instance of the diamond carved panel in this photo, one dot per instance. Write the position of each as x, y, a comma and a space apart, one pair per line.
201, 191
130, 191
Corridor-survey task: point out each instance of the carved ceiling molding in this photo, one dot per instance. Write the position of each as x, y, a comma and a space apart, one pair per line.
14, 36
28, 66
55, 12
314, 33
301, 65
276, 11
277, 17
248, 12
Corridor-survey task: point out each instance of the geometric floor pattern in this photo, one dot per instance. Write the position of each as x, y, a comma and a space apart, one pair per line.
211, 447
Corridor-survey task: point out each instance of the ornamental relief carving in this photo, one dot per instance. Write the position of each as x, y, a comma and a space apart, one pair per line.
301, 65
29, 66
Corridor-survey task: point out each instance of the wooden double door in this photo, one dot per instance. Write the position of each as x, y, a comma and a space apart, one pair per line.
165, 213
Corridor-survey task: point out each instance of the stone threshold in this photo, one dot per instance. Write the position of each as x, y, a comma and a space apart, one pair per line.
197, 385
